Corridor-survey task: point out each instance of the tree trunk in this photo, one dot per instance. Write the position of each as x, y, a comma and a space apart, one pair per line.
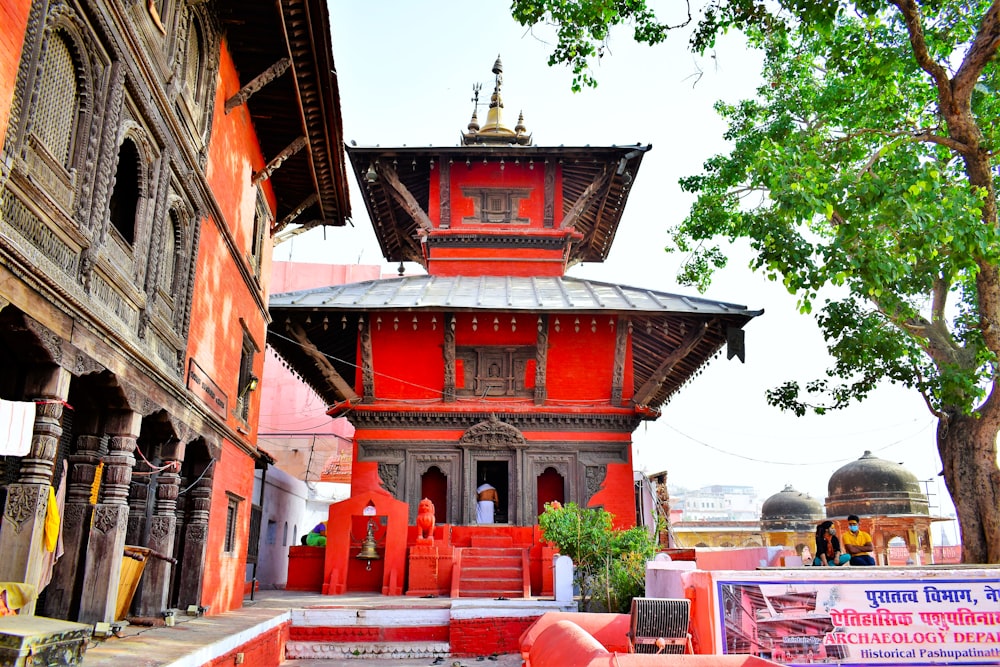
967, 445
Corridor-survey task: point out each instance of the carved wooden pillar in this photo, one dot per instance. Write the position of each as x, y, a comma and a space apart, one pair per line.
541, 359
107, 535
77, 513
27, 499
367, 367
445, 196
449, 361
192, 565
153, 595
138, 502
621, 351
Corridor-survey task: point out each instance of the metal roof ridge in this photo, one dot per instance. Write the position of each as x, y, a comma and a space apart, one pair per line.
624, 295
401, 280
593, 294
427, 286
534, 288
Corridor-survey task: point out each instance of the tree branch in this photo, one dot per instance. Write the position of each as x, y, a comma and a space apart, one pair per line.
911, 17
983, 49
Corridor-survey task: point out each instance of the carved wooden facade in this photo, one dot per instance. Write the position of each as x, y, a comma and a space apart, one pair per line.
120, 250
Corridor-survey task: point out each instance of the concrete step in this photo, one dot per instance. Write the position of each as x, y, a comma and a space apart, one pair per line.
492, 541
485, 557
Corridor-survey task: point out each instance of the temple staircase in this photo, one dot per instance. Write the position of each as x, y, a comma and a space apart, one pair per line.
492, 567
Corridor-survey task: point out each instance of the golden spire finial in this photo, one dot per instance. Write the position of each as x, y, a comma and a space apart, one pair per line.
493, 130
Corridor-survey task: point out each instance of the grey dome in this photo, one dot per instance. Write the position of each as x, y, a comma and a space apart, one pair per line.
874, 486
790, 510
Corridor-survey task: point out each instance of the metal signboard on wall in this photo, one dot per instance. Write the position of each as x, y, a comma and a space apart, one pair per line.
862, 621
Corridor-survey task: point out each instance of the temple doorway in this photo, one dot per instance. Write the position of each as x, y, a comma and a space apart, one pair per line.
434, 487
551, 488
495, 474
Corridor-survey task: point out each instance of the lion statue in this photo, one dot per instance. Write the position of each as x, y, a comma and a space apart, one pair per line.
425, 522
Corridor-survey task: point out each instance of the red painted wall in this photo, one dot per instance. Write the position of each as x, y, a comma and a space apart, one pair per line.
14, 19
223, 582
479, 174
264, 649
223, 308
409, 362
616, 494
222, 298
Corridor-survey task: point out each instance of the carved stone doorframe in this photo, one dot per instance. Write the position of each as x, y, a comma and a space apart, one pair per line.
493, 440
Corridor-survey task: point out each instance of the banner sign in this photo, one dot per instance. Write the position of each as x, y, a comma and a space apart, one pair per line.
863, 621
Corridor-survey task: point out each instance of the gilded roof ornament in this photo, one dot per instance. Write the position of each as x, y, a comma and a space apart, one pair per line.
493, 131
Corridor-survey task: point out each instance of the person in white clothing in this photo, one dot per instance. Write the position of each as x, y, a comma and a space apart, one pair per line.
486, 498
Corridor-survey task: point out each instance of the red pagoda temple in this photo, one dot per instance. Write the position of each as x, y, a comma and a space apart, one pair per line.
495, 366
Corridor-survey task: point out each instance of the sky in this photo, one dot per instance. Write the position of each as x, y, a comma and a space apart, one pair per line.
406, 71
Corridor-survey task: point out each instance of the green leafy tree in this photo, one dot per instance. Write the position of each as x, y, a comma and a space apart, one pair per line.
863, 175
610, 565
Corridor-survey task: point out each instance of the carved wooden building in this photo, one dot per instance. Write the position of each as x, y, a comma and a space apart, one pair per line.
495, 365
151, 150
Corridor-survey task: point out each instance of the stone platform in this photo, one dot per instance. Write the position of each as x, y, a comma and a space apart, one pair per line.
334, 630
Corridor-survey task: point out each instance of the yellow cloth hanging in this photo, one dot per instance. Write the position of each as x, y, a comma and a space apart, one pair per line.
51, 535
95, 488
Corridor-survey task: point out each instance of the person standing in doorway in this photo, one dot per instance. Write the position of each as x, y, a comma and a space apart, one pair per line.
486, 499
858, 543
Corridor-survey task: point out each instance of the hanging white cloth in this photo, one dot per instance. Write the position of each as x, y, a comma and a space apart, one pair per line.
17, 423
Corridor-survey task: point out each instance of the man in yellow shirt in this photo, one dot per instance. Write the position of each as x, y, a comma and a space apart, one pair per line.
857, 543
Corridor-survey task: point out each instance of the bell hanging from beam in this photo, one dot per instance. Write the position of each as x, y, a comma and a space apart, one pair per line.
369, 551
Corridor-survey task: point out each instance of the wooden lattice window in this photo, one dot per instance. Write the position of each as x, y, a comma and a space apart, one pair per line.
261, 224
192, 61
58, 100
247, 381
232, 516
495, 371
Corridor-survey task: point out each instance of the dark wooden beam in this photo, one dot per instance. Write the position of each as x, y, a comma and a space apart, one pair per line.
659, 376
585, 198
296, 212
330, 373
404, 197
258, 82
278, 160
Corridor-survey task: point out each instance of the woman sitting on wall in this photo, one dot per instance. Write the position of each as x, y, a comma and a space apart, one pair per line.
828, 546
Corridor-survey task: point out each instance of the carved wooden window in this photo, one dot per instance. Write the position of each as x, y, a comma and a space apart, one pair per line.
192, 65
495, 371
247, 382
261, 224
124, 203
496, 205
58, 101
232, 521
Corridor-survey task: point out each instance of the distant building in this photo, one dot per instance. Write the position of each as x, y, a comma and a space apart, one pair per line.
718, 502
789, 518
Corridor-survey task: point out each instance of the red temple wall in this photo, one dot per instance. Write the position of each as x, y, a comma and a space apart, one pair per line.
494, 176
222, 584
222, 297
14, 19
409, 363
224, 305
580, 363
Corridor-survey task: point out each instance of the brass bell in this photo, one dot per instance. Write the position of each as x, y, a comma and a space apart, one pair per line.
368, 546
